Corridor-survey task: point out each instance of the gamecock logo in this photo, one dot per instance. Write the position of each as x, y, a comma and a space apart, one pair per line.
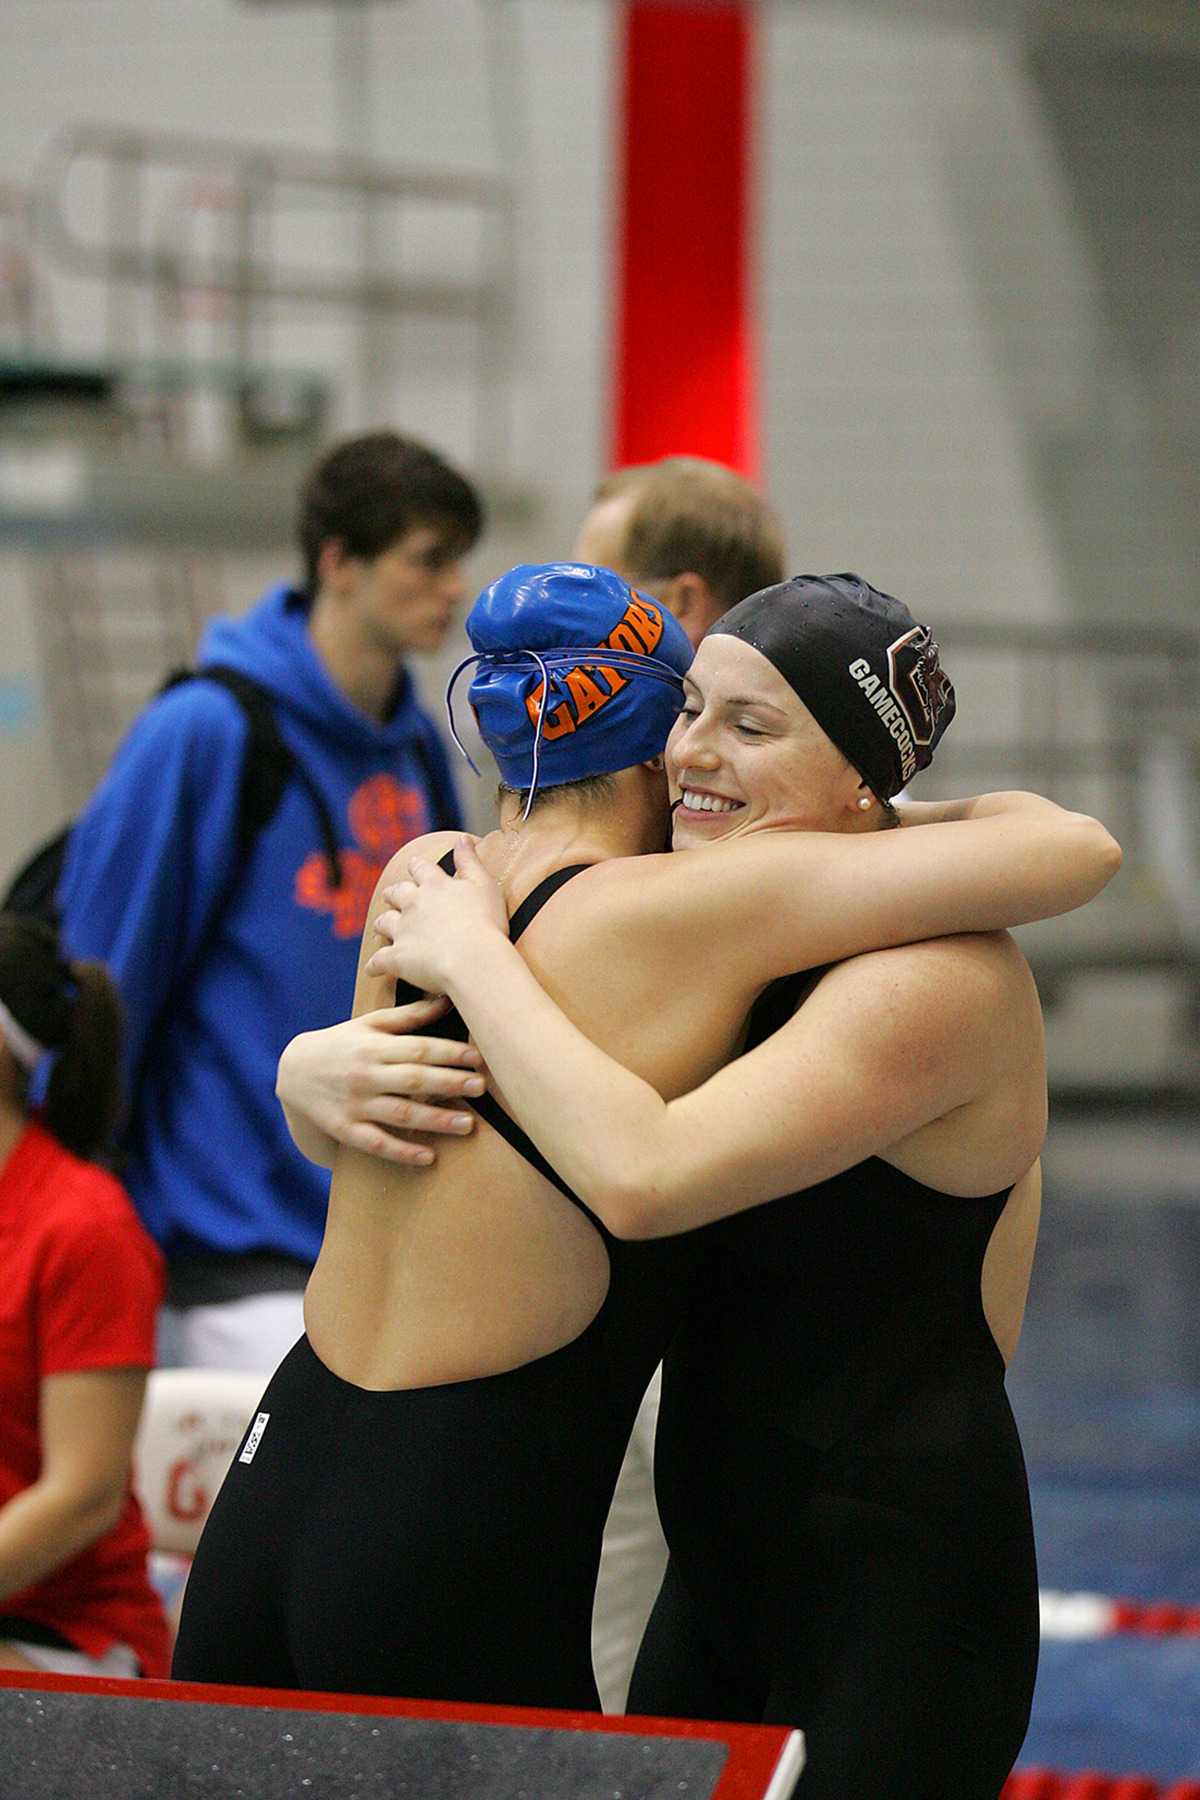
919, 684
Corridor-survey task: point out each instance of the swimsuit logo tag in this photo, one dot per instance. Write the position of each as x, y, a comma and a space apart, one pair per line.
255, 1438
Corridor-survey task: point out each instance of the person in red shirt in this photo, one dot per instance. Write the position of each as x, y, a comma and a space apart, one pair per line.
80, 1282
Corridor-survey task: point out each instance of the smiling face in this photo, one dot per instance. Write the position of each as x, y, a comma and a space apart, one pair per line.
747, 755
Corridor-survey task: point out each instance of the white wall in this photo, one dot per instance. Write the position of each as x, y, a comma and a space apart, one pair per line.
924, 303
896, 431
413, 84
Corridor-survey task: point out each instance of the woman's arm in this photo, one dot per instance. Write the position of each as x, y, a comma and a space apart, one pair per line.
87, 1425
884, 1046
1009, 801
362, 1081
984, 864
758, 907
351, 1083
818, 897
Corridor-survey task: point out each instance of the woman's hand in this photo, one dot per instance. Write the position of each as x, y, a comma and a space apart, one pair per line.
436, 921
360, 1082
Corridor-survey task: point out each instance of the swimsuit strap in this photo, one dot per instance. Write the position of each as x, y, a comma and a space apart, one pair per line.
485, 1104
452, 1025
777, 1003
489, 1108
533, 903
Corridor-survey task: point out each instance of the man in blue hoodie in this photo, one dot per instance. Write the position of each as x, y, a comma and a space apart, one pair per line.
222, 954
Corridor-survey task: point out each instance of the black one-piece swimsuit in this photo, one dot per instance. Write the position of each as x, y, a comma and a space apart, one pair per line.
843, 1491
438, 1542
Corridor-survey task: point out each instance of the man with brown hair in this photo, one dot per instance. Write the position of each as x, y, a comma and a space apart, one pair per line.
697, 537
694, 535
224, 940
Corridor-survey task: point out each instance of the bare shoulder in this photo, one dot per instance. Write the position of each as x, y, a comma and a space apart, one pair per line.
614, 952
433, 846
678, 894
596, 920
371, 992
642, 913
955, 1015
610, 892
977, 968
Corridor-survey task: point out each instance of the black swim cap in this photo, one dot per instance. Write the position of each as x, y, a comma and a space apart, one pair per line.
866, 670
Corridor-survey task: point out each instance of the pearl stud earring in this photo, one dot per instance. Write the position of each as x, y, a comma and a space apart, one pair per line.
864, 803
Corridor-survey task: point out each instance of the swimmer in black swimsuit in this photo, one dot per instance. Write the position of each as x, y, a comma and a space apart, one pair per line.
870, 1571
419, 1507
391, 1542
843, 1489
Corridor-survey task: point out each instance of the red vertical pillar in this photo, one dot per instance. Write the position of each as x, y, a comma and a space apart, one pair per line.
685, 353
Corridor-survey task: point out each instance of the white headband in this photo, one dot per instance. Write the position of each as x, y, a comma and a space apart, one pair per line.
26, 1049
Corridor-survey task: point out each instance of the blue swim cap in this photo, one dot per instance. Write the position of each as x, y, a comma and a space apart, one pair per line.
611, 660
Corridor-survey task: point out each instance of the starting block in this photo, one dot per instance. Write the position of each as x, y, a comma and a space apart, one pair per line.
95, 1739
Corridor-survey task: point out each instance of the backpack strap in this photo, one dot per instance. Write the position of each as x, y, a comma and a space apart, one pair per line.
445, 811
32, 888
268, 764
267, 767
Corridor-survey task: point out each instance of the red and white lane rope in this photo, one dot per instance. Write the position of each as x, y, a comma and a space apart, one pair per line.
1079, 1617
1067, 1616
1050, 1784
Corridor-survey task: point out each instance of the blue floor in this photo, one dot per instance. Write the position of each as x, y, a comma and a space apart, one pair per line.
1106, 1389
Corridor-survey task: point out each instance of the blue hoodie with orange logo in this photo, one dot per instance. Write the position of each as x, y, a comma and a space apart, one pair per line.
212, 1000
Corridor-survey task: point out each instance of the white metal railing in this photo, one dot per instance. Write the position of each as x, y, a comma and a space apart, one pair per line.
252, 229
1105, 719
